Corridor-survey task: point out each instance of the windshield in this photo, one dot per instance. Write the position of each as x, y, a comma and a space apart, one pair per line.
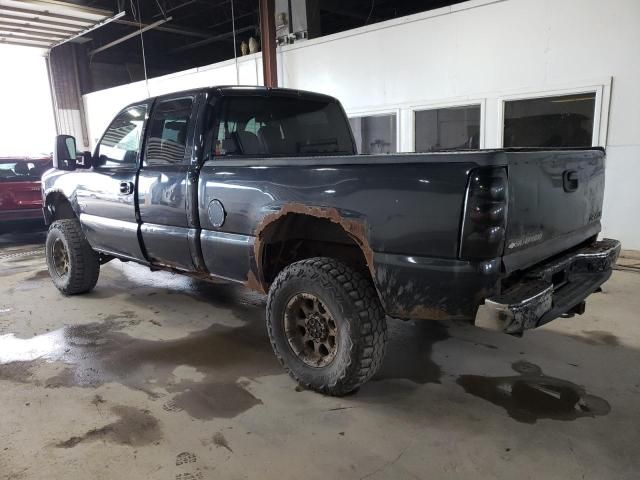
22, 170
282, 125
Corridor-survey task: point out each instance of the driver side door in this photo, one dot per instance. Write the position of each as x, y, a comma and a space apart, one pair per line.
107, 196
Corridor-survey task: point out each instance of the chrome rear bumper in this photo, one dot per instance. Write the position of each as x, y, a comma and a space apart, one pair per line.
557, 287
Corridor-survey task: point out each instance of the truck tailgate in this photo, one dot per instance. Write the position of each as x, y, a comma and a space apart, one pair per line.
555, 203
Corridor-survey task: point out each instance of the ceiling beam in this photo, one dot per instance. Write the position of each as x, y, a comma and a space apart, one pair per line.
237, 17
128, 36
177, 7
177, 29
207, 41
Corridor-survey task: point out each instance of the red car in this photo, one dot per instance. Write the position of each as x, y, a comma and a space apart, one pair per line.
20, 188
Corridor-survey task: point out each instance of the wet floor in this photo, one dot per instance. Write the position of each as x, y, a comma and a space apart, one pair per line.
162, 376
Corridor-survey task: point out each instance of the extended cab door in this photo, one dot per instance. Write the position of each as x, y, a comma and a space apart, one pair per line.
106, 194
167, 182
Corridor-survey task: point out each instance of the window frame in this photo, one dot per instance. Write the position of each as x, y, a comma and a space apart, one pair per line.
376, 113
191, 121
124, 166
602, 92
463, 102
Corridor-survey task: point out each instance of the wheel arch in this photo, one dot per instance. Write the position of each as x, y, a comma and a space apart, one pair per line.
57, 207
299, 232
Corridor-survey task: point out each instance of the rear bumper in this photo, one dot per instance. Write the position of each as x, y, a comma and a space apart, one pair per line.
21, 214
550, 290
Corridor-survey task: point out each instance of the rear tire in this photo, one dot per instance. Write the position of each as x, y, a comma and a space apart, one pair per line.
73, 265
326, 325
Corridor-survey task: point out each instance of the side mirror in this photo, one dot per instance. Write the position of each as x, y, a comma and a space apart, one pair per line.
86, 159
64, 155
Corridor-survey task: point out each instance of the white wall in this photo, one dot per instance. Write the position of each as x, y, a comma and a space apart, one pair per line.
479, 51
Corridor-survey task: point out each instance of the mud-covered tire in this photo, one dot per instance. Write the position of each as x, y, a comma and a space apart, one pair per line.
360, 324
83, 263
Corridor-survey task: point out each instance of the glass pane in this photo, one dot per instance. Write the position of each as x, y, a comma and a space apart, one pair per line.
375, 134
453, 128
22, 170
282, 125
121, 142
167, 139
565, 121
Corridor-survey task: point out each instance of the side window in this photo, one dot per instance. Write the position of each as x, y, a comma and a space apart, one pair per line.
167, 138
120, 144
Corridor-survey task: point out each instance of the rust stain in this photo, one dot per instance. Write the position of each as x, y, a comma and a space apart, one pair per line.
356, 229
176, 268
420, 312
253, 283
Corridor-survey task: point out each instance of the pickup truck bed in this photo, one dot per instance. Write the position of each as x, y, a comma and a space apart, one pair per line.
263, 187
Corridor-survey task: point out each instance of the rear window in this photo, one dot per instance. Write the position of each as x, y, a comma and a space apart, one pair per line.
281, 126
22, 170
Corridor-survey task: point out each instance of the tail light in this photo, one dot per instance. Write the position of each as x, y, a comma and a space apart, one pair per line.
485, 214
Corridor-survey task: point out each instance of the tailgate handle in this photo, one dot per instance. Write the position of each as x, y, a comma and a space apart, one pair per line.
570, 180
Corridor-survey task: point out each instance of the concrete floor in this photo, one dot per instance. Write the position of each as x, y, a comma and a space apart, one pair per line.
157, 376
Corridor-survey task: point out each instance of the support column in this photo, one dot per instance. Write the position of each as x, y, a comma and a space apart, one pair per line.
268, 40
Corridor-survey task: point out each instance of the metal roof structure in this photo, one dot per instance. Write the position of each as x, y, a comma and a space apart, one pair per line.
44, 24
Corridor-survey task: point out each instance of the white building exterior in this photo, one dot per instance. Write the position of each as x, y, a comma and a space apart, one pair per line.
477, 52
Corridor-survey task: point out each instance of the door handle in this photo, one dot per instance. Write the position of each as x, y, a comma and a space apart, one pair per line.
126, 188
570, 180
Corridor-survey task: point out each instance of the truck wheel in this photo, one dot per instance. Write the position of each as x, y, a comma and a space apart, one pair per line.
73, 265
326, 325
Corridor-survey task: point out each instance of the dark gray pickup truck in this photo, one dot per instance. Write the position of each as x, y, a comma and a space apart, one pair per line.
263, 187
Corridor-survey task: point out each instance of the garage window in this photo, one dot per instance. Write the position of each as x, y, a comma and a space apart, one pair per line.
375, 133
451, 128
562, 121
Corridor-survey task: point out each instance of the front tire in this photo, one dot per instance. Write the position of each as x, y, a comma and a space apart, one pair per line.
326, 325
73, 265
